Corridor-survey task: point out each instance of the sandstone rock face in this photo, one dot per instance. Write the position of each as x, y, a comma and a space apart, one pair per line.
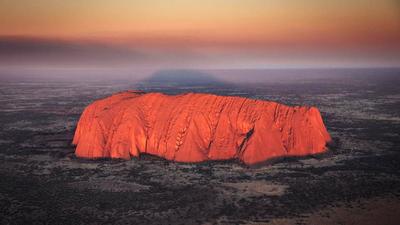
197, 127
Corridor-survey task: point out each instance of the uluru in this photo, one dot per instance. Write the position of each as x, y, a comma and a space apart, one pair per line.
196, 127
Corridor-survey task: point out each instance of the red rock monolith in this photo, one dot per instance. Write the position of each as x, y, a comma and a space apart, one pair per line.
197, 127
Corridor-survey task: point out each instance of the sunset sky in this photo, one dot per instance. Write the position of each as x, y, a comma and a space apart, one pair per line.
209, 33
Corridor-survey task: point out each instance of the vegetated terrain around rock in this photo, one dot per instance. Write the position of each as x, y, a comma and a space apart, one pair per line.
356, 182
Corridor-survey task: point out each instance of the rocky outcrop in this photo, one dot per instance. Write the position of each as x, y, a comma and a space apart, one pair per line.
197, 127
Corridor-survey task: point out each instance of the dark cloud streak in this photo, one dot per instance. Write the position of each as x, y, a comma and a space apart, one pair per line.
34, 50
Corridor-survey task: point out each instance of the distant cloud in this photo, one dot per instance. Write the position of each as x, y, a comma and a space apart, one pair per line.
25, 49
19, 51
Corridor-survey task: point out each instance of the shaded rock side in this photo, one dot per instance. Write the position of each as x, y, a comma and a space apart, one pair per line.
197, 127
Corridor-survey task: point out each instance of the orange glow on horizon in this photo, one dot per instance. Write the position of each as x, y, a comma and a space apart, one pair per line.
263, 22
368, 28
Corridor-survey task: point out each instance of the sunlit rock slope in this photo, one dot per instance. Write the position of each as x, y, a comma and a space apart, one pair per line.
197, 127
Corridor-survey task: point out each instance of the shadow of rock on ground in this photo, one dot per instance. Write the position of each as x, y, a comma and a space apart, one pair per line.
182, 78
